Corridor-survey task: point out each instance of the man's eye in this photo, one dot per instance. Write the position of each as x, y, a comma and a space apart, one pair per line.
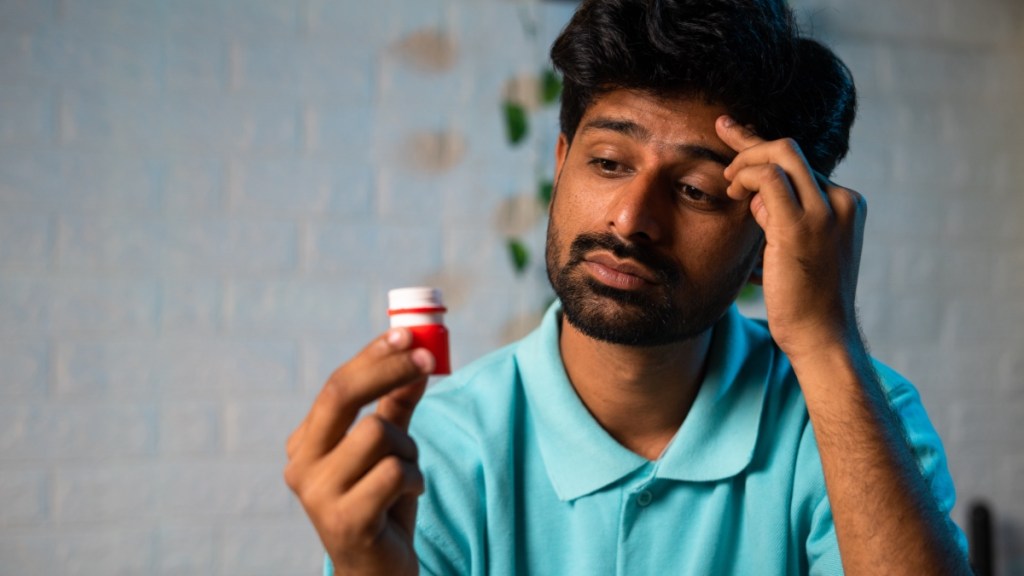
606, 165
695, 195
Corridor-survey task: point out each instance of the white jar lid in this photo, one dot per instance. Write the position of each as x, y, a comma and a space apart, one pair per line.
418, 298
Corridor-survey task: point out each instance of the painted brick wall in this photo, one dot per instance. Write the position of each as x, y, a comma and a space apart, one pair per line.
203, 202
939, 151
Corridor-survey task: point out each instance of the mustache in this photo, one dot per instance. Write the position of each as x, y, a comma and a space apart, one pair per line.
662, 267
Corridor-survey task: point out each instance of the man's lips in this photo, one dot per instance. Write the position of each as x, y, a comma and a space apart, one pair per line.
622, 274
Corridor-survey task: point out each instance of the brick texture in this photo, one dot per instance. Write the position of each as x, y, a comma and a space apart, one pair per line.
203, 203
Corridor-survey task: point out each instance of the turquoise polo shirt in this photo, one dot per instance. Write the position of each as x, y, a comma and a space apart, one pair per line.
520, 479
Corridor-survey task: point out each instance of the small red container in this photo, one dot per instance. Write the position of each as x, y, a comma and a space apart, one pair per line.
421, 310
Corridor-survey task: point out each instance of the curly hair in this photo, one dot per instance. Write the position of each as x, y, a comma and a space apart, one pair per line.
746, 55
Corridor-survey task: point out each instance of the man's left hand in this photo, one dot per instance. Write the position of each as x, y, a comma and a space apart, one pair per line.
813, 235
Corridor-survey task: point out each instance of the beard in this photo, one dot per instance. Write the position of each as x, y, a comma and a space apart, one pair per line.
671, 310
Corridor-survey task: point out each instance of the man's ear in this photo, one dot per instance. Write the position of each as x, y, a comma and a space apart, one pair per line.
561, 153
561, 150
757, 273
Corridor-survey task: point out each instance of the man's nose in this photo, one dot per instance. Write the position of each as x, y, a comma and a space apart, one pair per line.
639, 211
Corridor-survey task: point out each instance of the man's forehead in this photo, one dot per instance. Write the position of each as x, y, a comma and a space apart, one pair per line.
686, 124
638, 104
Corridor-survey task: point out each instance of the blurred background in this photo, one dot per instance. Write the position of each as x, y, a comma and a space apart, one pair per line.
204, 202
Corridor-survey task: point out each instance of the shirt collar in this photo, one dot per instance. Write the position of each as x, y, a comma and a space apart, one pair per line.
716, 440
718, 436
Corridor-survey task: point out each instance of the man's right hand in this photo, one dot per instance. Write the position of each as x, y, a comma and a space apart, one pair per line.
359, 486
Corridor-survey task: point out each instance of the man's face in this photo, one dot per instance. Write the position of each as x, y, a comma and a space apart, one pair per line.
644, 247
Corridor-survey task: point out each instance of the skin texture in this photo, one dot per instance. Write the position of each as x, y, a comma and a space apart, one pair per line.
649, 173
644, 246
359, 485
701, 199
886, 519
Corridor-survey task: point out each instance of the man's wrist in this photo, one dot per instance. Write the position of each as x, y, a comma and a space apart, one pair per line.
828, 361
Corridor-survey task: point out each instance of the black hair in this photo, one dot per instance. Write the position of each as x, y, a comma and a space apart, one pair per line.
746, 55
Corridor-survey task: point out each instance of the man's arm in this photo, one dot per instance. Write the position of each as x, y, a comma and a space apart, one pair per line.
886, 519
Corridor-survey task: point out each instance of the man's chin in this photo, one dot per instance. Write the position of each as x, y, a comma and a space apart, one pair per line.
644, 316
636, 298
615, 331
619, 320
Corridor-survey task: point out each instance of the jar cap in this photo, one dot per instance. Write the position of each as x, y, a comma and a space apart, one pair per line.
418, 299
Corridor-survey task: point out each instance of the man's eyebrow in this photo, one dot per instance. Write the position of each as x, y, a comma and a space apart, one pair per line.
705, 153
638, 132
625, 127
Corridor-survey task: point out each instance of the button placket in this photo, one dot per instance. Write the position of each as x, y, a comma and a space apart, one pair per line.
644, 498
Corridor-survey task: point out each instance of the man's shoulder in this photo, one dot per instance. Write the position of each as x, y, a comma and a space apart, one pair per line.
756, 336
784, 399
471, 399
896, 386
480, 378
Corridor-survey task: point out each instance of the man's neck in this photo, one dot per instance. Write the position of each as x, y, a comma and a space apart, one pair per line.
640, 395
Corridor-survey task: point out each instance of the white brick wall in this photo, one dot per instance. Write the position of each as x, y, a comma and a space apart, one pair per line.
938, 150
203, 202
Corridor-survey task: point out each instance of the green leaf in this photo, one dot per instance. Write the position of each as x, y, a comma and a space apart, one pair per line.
550, 87
749, 293
544, 192
520, 255
515, 122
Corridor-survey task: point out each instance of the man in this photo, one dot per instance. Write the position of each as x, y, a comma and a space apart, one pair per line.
645, 427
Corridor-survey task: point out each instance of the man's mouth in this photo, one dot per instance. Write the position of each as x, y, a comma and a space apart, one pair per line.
615, 273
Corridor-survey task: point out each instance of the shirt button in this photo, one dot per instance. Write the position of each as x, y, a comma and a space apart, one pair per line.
644, 498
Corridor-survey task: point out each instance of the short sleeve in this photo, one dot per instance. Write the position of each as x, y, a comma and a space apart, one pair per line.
815, 512
924, 442
451, 515
822, 546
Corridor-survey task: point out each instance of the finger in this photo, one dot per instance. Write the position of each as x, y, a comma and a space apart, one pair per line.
384, 365
398, 405
846, 203
851, 210
754, 150
370, 501
291, 447
375, 371
774, 197
735, 135
371, 440
404, 512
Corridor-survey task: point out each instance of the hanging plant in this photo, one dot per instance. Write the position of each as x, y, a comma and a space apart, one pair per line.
546, 90
544, 192
516, 123
749, 293
551, 87
520, 255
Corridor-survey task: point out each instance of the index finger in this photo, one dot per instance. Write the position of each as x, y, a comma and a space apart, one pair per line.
785, 153
735, 135
386, 364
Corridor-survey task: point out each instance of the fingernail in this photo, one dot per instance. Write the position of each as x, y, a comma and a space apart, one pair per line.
423, 360
728, 121
394, 337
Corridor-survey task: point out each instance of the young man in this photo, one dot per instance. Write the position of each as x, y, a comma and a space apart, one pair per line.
645, 427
